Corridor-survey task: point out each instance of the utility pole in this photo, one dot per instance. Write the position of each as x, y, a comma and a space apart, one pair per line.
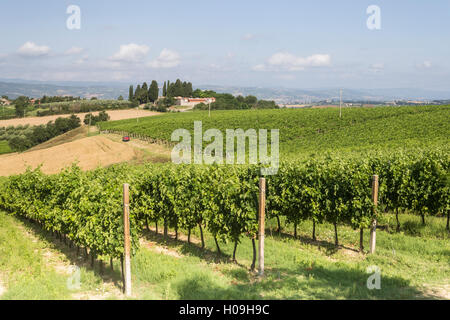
340, 103
89, 126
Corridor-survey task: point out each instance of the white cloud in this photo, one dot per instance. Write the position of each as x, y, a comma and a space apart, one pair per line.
131, 53
289, 62
248, 36
426, 64
376, 67
259, 67
285, 77
167, 59
30, 49
82, 60
74, 51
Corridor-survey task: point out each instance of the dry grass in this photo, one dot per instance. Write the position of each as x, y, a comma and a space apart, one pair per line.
114, 114
89, 152
70, 136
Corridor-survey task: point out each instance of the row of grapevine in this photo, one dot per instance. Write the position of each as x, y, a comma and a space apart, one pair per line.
313, 131
339, 191
87, 206
68, 107
219, 198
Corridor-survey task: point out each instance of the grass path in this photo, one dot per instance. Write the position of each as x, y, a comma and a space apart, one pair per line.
32, 266
414, 265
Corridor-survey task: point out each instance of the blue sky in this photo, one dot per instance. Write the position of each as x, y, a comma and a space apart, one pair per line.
296, 44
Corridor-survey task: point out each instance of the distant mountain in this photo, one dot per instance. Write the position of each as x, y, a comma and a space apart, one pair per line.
38, 89
286, 95
111, 90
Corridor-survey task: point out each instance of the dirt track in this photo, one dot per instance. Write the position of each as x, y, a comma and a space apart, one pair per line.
114, 114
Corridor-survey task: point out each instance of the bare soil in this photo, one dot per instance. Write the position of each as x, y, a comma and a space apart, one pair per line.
64, 260
440, 291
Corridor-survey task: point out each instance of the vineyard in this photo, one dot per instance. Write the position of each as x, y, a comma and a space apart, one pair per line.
323, 185
7, 112
314, 132
86, 207
67, 107
4, 147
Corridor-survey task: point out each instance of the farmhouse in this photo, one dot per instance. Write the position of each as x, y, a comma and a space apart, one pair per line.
5, 102
192, 102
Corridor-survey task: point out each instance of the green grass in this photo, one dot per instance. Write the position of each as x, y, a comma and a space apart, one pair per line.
7, 112
4, 147
25, 273
306, 132
300, 268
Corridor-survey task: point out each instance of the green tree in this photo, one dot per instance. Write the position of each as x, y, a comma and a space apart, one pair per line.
21, 104
130, 94
251, 100
178, 88
153, 91
164, 93
144, 93
189, 89
137, 93
120, 98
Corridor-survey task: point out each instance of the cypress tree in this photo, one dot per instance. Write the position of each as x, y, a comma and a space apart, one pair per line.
144, 93
189, 89
153, 91
184, 89
130, 94
164, 93
137, 93
178, 88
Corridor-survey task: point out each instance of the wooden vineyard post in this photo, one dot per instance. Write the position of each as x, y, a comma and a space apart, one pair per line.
261, 224
373, 227
127, 244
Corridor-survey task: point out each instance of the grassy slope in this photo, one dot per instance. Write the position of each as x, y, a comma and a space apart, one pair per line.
412, 267
31, 264
411, 262
4, 147
7, 111
300, 269
315, 131
72, 135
